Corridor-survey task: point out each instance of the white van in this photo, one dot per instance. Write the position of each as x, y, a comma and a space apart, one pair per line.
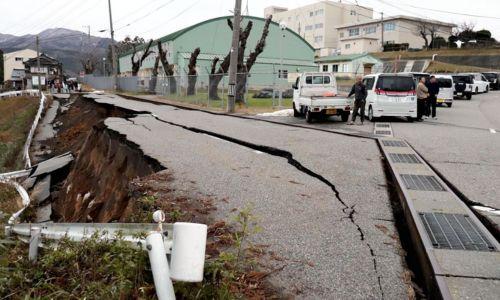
481, 84
390, 94
446, 89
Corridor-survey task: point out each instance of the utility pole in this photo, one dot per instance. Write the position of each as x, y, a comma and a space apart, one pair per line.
38, 64
382, 29
114, 63
233, 65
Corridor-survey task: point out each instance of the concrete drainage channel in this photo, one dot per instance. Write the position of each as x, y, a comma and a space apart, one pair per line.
459, 256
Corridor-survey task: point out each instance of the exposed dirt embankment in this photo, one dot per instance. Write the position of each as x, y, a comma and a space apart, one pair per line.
96, 187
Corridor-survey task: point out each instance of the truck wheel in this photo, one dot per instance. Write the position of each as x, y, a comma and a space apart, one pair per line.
410, 119
370, 114
468, 97
477, 90
295, 112
449, 104
309, 117
345, 116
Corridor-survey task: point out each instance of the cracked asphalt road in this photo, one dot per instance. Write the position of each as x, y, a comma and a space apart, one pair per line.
320, 197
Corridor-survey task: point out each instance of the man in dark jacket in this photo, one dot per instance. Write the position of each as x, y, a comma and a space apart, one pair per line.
360, 94
433, 86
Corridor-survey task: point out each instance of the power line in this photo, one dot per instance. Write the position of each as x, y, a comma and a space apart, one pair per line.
174, 17
134, 12
146, 15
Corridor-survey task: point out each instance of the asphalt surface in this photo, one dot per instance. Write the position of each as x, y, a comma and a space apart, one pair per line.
320, 197
461, 143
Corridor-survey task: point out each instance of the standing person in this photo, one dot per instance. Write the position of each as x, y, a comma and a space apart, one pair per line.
433, 87
360, 94
422, 95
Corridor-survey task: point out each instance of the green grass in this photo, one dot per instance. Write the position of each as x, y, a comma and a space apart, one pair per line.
17, 117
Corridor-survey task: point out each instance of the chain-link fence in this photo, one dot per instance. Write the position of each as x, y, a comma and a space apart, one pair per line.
258, 90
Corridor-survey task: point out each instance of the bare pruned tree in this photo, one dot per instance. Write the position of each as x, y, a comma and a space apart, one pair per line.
192, 72
136, 64
243, 68
168, 69
89, 63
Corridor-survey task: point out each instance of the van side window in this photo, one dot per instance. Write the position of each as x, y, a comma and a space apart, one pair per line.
368, 82
309, 80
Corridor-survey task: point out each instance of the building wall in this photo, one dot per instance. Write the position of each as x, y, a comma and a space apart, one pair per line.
317, 22
396, 31
214, 38
357, 46
14, 60
348, 68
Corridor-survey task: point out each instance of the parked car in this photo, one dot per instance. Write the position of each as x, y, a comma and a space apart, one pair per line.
480, 83
446, 89
463, 85
494, 79
391, 95
315, 95
268, 93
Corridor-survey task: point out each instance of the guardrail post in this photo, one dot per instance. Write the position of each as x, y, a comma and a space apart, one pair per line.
35, 233
159, 266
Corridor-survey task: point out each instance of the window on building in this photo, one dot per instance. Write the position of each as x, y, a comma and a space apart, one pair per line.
353, 12
348, 46
318, 38
318, 26
19, 59
341, 34
325, 68
353, 31
335, 68
283, 74
309, 27
389, 26
345, 68
319, 12
311, 14
371, 29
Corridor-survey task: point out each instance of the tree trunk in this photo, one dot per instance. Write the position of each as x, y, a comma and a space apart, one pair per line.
192, 74
241, 87
154, 77
213, 86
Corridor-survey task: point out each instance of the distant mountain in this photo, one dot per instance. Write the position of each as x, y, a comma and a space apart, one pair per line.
67, 46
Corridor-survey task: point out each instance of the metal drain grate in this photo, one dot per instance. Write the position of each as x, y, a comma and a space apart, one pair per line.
382, 125
394, 143
404, 158
454, 231
383, 132
422, 183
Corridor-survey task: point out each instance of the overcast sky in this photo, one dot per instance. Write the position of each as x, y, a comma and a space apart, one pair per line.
156, 18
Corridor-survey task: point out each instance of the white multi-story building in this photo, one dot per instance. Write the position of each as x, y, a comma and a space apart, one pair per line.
13, 64
366, 37
317, 23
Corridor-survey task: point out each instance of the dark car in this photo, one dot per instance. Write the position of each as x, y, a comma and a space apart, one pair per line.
494, 79
268, 93
463, 85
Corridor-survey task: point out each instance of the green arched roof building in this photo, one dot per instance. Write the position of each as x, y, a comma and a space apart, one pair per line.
214, 39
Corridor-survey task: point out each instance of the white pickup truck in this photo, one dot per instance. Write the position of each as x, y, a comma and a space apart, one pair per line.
315, 95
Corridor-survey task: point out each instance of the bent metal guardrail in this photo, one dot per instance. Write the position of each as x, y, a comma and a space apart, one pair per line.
185, 242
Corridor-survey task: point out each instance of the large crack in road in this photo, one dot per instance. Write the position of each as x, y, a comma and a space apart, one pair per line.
349, 211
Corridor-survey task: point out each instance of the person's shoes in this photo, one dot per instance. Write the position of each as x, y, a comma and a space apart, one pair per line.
362, 123
350, 123
419, 120
426, 117
434, 118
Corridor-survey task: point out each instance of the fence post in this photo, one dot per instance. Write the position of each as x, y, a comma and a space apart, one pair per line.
159, 266
35, 233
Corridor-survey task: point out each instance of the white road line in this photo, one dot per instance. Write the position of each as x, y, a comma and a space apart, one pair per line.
493, 130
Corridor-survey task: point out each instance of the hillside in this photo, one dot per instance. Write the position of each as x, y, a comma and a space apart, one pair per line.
483, 58
64, 45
